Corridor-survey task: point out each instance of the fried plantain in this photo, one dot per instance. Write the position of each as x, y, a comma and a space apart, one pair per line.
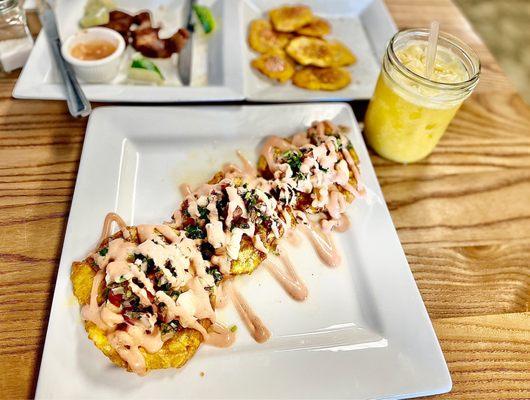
310, 51
313, 78
342, 55
275, 65
290, 18
262, 38
318, 27
175, 352
178, 349
249, 258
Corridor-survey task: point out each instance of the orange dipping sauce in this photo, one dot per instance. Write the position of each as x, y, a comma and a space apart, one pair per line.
93, 50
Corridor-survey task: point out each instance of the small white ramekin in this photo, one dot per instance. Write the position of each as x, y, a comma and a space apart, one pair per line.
94, 71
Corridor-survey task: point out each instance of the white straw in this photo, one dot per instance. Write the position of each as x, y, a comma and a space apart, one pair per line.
431, 49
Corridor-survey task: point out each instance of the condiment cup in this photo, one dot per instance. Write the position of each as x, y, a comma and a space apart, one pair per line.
94, 71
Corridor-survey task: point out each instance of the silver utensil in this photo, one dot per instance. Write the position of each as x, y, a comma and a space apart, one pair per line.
78, 105
185, 55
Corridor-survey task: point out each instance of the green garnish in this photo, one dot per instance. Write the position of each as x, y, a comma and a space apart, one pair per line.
194, 232
294, 159
250, 198
205, 16
103, 252
233, 328
172, 326
217, 275
143, 69
204, 213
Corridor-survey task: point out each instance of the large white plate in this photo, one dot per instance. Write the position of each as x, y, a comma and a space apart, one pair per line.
363, 25
217, 63
362, 333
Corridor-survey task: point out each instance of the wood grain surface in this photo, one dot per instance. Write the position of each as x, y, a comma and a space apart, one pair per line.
463, 217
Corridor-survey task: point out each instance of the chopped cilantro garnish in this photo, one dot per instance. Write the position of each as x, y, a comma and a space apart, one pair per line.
174, 294
194, 232
172, 326
250, 199
204, 212
294, 159
241, 223
299, 176
103, 252
165, 287
217, 275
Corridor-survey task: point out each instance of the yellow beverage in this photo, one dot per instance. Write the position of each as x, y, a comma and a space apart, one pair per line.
409, 113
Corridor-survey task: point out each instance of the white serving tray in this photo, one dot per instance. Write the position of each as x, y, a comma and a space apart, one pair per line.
365, 26
217, 64
362, 333
222, 69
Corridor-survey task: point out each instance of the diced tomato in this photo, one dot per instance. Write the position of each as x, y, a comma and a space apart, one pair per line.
150, 296
115, 299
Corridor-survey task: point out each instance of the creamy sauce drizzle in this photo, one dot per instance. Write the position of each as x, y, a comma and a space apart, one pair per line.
248, 168
185, 189
220, 336
254, 324
287, 276
323, 244
343, 224
107, 226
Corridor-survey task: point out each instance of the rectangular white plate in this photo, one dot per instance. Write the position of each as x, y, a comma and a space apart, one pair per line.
365, 26
217, 64
362, 333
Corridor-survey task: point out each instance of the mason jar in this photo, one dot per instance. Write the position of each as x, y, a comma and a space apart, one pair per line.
12, 20
15, 39
409, 112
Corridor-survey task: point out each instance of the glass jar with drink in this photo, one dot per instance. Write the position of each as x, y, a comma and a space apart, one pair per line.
413, 102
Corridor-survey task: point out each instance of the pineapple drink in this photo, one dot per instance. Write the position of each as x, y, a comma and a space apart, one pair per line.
409, 112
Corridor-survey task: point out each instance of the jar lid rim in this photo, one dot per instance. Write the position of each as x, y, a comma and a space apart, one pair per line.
468, 51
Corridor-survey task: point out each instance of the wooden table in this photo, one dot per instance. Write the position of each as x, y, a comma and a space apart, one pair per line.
463, 217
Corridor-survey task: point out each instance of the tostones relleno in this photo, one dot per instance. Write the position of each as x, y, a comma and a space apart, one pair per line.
175, 352
317, 27
274, 65
313, 78
290, 18
310, 51
342, 56
262, 38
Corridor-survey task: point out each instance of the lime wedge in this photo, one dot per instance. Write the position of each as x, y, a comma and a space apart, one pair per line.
96, 13
205, 16
99, 17
145, 70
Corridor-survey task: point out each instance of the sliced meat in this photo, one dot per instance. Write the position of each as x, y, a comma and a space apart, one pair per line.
147, 42
179, 39
120, 22
139, 32
143, 20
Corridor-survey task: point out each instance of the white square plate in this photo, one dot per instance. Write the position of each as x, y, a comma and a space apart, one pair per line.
362, 333
365, 26
217, 64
